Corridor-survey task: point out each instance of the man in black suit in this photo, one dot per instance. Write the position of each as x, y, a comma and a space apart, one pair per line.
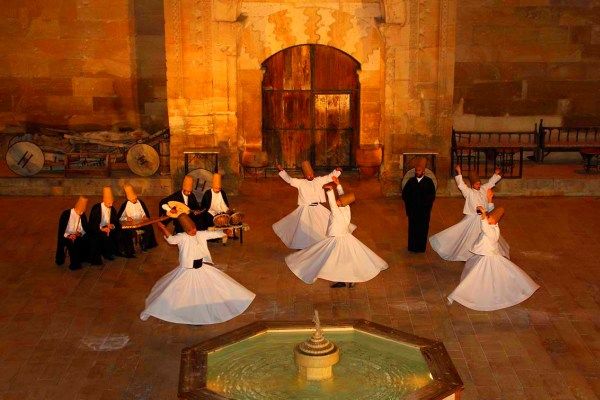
187, 197
135, 209
214, 201
104, 229
72, 234
418, 195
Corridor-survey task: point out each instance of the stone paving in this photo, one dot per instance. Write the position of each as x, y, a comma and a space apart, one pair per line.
77, 335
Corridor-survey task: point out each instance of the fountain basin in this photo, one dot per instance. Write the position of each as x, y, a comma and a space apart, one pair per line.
375, 362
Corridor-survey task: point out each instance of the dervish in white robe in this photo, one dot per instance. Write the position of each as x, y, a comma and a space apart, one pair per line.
340, 257
307, 224
196, 296
455, 242
490, 281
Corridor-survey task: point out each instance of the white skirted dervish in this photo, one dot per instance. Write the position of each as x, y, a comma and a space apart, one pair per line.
340, 257
455, 242
195, 292
490, 281
307, 224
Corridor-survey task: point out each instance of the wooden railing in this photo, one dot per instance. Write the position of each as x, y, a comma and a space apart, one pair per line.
565, 139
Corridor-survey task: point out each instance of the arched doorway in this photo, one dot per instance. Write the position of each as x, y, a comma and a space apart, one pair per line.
310, 96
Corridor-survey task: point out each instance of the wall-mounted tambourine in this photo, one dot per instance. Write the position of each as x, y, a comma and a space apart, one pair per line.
143, 160
25, 158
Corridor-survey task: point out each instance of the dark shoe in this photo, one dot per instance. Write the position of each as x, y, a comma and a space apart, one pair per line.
338, 285
74, 267
351, 284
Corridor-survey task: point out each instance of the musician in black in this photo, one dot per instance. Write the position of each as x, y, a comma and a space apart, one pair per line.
104, 229
187, 197
214, 201
72, 235
135, 209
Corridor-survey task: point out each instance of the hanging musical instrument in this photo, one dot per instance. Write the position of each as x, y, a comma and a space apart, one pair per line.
143, 160
25, 158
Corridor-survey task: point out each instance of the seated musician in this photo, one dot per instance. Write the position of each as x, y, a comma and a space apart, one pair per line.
72, 227
104, 229
132, 210
187, 197
213, 202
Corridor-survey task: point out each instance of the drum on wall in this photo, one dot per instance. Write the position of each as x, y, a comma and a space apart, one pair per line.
221, 220
411, 172
143, 160
202, 181
25, 158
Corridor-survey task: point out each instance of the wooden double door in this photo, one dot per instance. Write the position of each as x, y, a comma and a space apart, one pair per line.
310, 107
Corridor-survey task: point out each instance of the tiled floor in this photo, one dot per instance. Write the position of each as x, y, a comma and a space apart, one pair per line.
77, 335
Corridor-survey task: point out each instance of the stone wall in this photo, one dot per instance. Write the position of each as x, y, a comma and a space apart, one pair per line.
72, 63
528, 58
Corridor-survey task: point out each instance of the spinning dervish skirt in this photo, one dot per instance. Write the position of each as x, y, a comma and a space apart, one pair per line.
304, 226
455, 243
491, 283
197, 296
337, 259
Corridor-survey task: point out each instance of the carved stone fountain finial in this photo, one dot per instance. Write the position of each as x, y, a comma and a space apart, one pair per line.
317, 355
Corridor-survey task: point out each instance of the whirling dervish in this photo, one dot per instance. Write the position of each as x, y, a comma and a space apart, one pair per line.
340, 257
490, 281
307, 224
455, 242
195, 292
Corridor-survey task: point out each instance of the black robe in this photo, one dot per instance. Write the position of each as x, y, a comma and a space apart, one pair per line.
206, 218
100, 243
126, 237
78, 249
192, 204
418, 200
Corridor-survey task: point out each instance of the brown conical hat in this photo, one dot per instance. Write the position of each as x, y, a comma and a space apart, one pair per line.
107, 195
129, 192
216, 181
420, 162
186, 222
81, 205
496, 214
474, 178
188, 183
347, 199
307, 169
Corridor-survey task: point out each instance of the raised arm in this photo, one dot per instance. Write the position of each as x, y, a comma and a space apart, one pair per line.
291, 181
493, 180
336, 172
460, 182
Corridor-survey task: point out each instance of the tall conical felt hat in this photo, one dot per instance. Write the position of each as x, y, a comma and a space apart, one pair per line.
473, 178
420, 162
307, 169
188, 183
216, 181
129, 192
186, 222
81, 204
347, 199
497, 213
107, 195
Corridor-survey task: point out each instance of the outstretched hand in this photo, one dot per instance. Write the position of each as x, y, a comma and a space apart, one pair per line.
279, 167
335, 180
458, 170
338, 169
497, 171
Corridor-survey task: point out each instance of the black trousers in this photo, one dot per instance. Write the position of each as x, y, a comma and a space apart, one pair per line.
78, 251
418, 228
102, 245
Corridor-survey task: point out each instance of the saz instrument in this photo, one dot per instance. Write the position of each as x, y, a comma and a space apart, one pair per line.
173, 208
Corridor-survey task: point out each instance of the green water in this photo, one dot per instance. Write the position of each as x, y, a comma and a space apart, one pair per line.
370, 367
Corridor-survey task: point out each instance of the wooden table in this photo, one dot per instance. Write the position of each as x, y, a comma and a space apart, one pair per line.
241, 228
204, 153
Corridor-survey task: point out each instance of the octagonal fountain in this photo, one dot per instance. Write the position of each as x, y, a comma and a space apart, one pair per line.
358, 360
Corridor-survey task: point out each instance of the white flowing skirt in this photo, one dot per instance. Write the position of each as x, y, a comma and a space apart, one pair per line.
197, 296
337, 259
491, 283
455, 243
304, 226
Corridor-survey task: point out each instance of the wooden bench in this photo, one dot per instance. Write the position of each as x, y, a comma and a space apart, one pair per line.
474, 150
566, 139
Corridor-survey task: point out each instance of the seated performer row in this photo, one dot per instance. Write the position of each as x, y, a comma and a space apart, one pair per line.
102, 236
214, 201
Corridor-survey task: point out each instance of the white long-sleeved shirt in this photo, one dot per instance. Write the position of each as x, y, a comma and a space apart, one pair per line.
217, 204
105, 215
74, 224
133, 211
487, 244
474, 198
339, 219
309, 192
193, 247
